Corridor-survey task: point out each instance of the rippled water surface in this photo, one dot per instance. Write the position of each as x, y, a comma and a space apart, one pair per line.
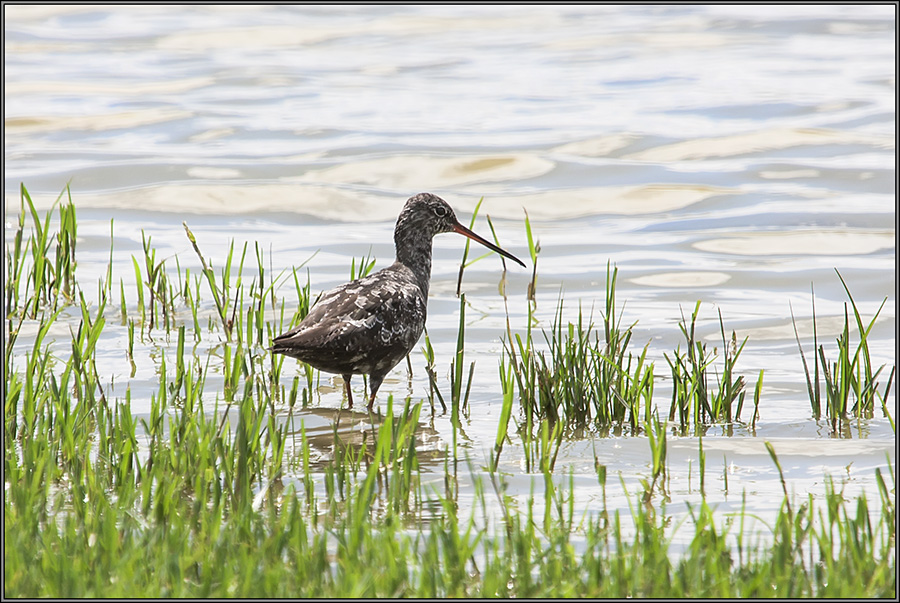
735, 155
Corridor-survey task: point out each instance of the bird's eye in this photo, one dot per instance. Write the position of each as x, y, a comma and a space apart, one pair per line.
440, 211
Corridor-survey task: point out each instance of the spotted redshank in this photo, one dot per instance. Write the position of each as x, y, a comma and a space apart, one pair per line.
368, 325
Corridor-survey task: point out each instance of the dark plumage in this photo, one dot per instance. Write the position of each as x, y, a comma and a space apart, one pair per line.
368, 325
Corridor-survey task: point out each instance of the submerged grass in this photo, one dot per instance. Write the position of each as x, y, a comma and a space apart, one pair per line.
214, 493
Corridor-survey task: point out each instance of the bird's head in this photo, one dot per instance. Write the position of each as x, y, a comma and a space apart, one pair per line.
426, 215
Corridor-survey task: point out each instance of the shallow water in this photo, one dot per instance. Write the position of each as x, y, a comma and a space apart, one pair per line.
736, 155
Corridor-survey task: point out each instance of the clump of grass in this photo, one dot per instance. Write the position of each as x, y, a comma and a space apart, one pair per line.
694, 402
244, 310
48, 278
584, 380
850, 377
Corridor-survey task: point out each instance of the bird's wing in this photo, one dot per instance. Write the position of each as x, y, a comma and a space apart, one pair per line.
358, 315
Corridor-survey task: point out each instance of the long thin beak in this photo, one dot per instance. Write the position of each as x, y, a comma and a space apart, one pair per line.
468, 233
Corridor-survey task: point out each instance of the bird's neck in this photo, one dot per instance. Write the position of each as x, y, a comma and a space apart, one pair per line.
414, 252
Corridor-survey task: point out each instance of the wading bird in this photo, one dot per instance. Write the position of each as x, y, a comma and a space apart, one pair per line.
369, 325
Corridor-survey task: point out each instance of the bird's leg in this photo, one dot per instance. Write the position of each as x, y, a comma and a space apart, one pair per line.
375, 380
347, 389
